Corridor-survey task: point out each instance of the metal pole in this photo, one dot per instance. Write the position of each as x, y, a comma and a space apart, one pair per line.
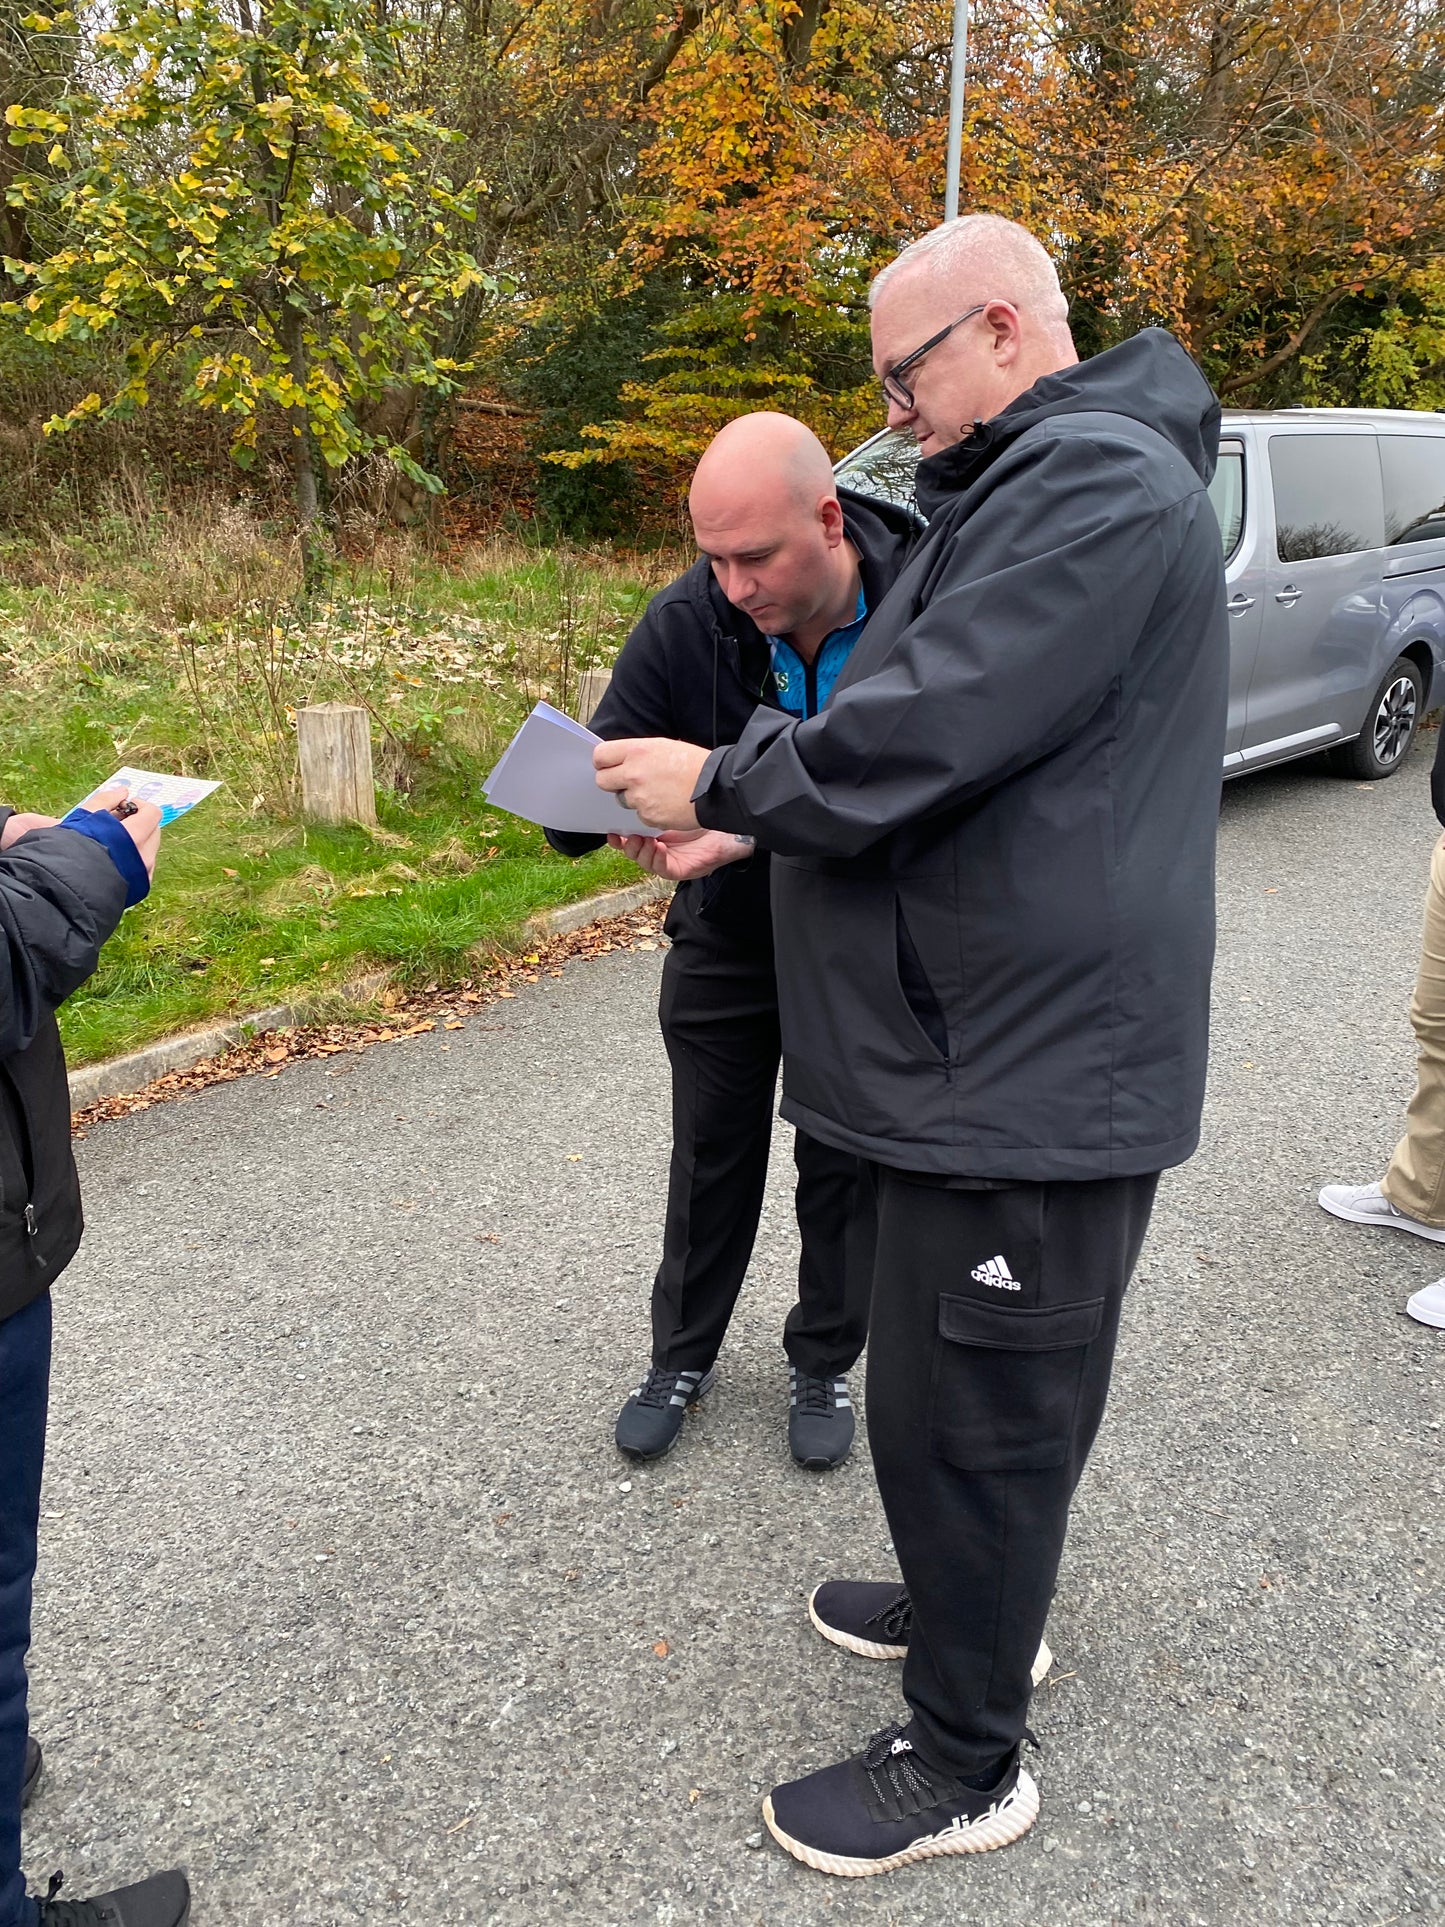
955, 108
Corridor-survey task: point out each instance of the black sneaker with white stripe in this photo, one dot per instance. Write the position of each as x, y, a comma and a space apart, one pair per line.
886, 1808
874, 1618
649, 1423
820, 1419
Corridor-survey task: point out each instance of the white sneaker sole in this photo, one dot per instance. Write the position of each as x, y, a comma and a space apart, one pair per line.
999, 1827
1392, 1221
871, 1649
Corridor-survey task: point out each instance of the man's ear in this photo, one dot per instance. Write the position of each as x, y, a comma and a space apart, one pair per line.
830, 515
1003, 322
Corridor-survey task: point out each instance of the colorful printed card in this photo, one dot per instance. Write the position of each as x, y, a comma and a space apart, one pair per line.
174, 794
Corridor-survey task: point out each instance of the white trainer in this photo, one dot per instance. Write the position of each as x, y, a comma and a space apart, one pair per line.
1367, 1204
1428, 1306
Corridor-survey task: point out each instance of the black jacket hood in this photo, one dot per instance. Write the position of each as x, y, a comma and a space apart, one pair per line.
1149, 379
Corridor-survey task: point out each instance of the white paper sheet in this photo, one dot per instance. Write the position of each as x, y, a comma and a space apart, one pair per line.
546, 776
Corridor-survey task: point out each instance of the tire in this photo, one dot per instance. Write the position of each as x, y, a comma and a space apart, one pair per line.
1389, 729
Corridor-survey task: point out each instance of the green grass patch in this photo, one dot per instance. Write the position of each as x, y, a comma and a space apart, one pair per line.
187, 649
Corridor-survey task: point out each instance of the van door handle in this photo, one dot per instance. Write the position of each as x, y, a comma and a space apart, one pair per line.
1237, 604
1289, 596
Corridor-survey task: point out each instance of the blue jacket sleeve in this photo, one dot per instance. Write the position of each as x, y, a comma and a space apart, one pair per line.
110, 833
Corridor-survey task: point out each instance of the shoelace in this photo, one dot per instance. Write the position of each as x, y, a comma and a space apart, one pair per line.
899, 1783
896, 1618
813, 1394
657, 1388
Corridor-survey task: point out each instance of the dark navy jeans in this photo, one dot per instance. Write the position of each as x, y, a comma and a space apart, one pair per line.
24, 1389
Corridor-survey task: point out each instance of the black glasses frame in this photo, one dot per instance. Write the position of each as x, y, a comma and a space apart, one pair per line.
897, 391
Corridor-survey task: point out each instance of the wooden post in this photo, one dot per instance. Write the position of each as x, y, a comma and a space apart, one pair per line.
334, 743
591, 688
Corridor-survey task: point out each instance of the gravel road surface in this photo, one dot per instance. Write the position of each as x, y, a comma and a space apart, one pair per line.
348, 1604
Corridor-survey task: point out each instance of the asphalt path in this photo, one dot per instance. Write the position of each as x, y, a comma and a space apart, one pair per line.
348, 1604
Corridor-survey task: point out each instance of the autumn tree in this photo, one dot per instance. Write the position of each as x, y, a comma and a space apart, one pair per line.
242, 201
1241, 172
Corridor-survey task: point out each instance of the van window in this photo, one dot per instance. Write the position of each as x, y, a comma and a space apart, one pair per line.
1226, 492
1413, 470
1327, 496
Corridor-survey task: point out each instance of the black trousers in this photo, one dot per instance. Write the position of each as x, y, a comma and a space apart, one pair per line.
994, 1320
719, 1015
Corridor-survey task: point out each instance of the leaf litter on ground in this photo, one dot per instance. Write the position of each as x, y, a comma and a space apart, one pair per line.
403, 1014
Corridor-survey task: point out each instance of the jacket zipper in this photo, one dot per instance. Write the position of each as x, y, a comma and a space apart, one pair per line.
27, 1166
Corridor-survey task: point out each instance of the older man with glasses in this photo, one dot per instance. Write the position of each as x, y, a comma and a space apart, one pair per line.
993, 889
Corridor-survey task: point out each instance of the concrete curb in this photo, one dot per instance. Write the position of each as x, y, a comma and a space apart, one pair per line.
117, 1076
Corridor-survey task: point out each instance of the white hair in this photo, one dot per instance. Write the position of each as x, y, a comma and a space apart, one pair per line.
997, 260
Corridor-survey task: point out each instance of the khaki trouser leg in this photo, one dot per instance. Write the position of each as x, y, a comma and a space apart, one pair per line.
1415, 1181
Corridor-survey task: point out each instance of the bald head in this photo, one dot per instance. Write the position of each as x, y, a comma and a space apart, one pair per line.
766, 514
997, 274
762, 455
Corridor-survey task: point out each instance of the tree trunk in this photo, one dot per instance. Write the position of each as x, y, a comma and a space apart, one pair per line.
303, 456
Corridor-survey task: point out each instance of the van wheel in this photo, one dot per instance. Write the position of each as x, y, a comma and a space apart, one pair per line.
1390, 725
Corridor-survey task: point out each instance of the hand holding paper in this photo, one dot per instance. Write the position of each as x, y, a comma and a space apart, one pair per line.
656, 775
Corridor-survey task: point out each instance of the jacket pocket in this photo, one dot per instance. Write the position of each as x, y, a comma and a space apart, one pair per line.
918, 993
1006, 1382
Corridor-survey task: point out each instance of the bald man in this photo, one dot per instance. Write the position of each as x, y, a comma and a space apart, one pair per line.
766, 619
993, 882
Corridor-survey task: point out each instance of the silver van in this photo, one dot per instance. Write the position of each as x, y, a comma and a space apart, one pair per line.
1333, 522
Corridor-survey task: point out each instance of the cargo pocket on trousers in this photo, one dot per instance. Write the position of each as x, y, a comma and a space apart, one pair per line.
1006, 1382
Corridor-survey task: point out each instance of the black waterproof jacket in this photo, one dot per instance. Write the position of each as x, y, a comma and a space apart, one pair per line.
60, 898
696, 668
993, 852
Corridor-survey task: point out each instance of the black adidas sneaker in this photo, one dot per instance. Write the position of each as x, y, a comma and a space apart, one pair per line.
649, 1423
874, 1618
885, 1808
820, 1420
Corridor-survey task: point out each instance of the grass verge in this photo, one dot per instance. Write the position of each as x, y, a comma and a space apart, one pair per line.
183, 645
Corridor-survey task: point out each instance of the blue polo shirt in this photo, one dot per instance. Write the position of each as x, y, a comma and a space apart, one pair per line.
804, 687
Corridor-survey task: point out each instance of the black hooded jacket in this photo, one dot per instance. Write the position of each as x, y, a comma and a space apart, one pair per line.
60, 897
695, 668
993, 852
